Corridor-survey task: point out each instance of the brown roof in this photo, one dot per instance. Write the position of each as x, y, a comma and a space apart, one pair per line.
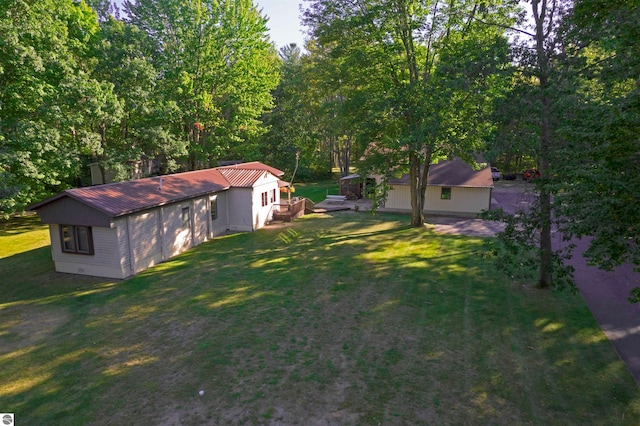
456, 172
120, 198
241, 178
254, 165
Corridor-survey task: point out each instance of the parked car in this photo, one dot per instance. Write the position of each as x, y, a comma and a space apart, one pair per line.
509, 176
530, 175
495, 173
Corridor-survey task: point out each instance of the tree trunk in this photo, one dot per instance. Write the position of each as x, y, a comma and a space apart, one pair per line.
545, 272
417, 199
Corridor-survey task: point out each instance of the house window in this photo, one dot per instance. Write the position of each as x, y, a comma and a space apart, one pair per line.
264, 199
76, 239
273, 196
445, 193
214, 208
185, 217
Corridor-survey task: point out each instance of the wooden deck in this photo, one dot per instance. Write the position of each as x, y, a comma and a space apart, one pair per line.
331, 205
287, 212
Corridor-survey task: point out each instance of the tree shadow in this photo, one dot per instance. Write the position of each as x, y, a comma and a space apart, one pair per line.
20, 224
261, 321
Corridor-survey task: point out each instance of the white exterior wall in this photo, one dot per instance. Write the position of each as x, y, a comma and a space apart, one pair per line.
201, 219
398, 198
154, 236
240, 209
144, 238
221, 224
105, 262
463, 202
263, 214
176, 239
120, 224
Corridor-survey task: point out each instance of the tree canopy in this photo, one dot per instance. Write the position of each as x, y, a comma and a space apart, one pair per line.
388, 85
421, 74
181, 82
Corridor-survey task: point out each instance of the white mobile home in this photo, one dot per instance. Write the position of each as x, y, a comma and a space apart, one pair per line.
119, 229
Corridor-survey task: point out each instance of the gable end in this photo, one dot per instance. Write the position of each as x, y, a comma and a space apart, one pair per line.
67, 211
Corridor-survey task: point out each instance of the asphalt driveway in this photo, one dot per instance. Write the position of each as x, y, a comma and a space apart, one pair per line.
604, 292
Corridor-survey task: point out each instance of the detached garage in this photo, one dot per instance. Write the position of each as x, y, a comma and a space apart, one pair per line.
453, 188
119, 229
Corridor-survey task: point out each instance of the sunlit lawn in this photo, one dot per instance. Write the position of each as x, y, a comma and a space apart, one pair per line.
317, 191
344, 319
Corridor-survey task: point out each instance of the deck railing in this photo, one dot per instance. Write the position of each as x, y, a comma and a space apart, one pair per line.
289, 210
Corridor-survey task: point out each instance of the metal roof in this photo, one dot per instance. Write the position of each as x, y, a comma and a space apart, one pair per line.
254, 165
241, 178
456, 172
120, 198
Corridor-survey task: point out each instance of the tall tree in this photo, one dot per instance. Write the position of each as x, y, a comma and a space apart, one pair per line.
424, 67
603, 150
217, 64
49, 104
124, 54
543, 83
579, 72
331, 97
289, 123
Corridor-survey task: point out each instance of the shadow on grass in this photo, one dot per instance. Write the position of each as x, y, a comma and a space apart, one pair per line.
349, 316
19, 224
30, 277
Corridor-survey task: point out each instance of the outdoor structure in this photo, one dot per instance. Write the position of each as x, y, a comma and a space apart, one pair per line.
354, 187
119, 229
453, 188
351, 187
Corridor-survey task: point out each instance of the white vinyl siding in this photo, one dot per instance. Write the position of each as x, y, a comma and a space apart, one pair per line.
263, 213
201, 217
144, 235
241, 209
120, 225
176, 238
398, 198
463, 202
105, 262
221, 224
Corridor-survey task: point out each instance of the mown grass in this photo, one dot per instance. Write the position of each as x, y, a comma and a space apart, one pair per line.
343, 319
317, 191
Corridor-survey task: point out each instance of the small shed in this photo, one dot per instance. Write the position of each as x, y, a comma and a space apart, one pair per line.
351, 187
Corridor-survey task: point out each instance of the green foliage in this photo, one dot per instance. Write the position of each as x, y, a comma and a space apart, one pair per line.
516, 250
48, 99
289, 123
574, 107
599, 196
417, 78
181, 82
218, 67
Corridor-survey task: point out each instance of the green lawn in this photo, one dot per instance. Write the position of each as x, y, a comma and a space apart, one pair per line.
317, 191
343, 319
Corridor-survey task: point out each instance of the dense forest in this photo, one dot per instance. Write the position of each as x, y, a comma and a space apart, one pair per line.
387, 86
